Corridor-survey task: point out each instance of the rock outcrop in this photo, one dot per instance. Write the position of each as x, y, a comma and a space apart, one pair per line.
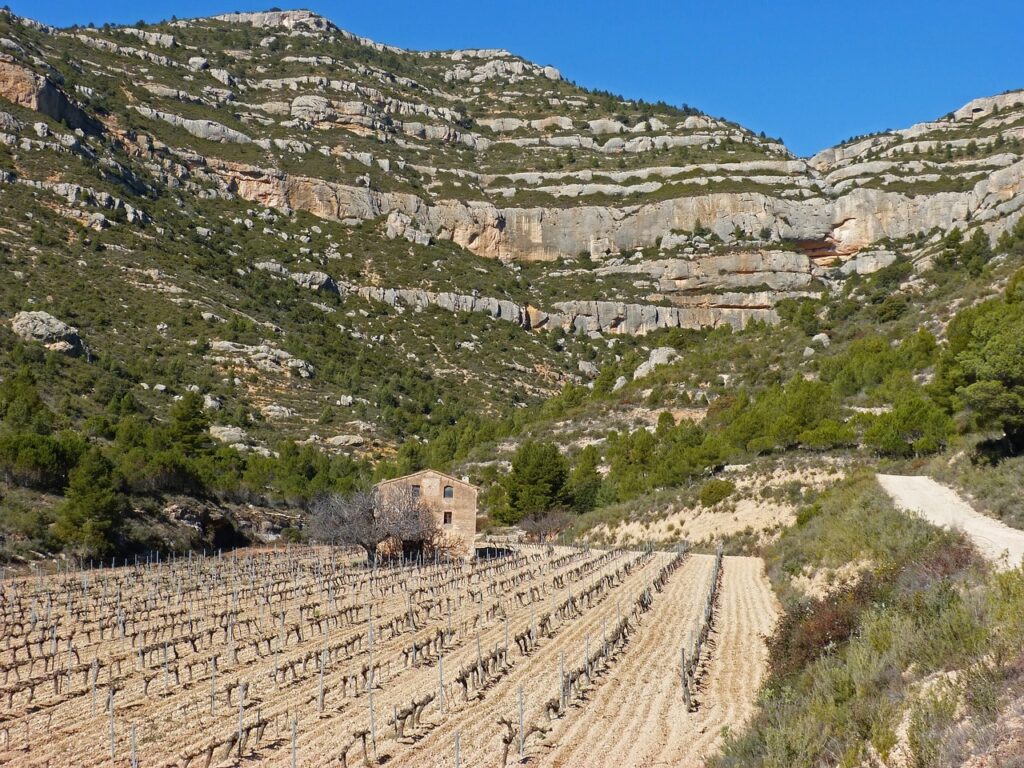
22, 86
658, 356
852, 222
263, 357
584, 317
202, 129
44, 328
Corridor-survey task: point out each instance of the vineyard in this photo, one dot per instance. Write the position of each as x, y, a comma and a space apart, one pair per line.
296, 657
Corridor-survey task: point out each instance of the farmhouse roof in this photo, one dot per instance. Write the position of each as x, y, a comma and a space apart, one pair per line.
427, 472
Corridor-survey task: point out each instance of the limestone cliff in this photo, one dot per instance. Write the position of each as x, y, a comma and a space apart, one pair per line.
483, 151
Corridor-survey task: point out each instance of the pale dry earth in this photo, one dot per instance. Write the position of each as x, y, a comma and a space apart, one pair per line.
235, 606
638, 719
759, 504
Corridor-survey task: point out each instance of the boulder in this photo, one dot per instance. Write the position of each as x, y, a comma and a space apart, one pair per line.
345, 441
274, 411
822, 340
271, 266
229, 435
316, 281
223, 76
588, 369
603, 125
46, 329
868, 262
658, 356
9, 123
203, 129
311, 108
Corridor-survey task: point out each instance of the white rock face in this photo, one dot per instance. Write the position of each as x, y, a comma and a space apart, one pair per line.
978, 108
272, 267
315, 281
345, 441
228, 434
311, 108
867, 262
658, 356
55, 335
264, 357
603, 126
9, 122
203, 129
285, 19
153, 38
274, 411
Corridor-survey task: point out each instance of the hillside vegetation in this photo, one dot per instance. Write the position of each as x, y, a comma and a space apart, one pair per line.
253, 259
282, 260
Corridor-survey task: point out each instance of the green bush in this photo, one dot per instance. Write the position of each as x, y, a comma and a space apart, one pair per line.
868, 362
585, 482
779, 416
32, 460
983, 366
715, 491
914, 427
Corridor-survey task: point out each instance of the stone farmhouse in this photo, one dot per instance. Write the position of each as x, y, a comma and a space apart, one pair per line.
453, 502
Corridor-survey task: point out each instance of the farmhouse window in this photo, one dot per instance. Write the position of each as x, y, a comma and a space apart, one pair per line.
449, 492
415, 491
447, 517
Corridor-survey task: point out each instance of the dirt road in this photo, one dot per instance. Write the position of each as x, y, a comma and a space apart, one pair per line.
944, 507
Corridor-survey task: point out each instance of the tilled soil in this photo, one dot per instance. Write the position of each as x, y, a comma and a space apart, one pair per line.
628, 711
637, 717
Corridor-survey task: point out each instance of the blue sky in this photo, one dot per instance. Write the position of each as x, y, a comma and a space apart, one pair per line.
812, 72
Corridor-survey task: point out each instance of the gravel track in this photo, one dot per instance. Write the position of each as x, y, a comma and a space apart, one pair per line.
944, 507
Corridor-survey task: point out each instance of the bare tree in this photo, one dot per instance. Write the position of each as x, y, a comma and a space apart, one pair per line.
348, 521
546, 528
368, 519
408, 520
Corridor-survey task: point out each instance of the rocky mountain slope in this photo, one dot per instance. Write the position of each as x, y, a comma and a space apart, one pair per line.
256, 206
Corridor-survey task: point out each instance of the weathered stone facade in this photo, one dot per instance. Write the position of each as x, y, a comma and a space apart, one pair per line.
453, 502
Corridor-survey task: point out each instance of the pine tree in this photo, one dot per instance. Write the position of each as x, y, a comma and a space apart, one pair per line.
90, 517
188, 427
585, 481
536, 483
